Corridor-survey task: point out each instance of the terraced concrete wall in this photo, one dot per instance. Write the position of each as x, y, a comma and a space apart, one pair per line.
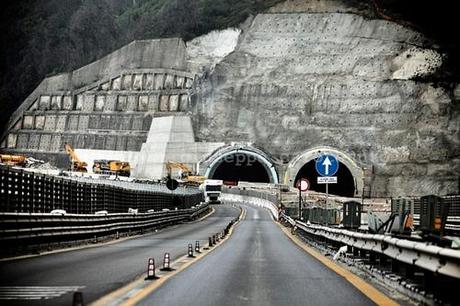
107, 105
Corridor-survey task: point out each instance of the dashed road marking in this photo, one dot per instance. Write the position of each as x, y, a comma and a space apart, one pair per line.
35, 292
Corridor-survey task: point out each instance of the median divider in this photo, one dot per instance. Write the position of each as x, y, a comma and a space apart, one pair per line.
20, 230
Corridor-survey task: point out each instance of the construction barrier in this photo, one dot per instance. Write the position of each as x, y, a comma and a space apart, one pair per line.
24, 191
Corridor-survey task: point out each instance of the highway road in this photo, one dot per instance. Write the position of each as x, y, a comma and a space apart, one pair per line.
99, 270
258, 265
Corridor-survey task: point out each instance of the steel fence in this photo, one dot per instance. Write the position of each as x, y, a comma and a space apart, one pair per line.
23, 191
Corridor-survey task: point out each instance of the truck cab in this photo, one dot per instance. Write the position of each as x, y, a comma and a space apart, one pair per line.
212, 190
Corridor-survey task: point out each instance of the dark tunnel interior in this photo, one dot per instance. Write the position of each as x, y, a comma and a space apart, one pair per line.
240, 167
345, 183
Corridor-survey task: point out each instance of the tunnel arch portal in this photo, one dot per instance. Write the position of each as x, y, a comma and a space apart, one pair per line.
350, 175
235, 163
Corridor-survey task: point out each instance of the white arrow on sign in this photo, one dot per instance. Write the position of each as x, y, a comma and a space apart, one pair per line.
326, 164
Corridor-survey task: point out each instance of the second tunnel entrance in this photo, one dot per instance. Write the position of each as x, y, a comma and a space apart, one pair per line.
345, 182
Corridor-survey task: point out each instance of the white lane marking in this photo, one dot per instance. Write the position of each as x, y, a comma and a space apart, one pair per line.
35, 292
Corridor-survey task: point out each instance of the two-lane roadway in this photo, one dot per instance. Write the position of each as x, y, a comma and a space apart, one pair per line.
257, 265
51, 279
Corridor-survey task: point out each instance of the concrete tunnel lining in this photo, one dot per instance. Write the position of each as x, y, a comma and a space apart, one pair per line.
304, 158
266, 163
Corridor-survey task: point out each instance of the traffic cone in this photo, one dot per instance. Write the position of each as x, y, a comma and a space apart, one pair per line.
151, 269
190, 250
209, 243
197, 247
166, 263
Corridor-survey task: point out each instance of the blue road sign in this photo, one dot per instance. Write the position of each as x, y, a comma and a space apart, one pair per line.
327, 165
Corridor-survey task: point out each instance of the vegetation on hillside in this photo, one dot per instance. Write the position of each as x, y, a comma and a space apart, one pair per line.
42, 37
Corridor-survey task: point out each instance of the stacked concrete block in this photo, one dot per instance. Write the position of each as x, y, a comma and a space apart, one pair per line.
111, 111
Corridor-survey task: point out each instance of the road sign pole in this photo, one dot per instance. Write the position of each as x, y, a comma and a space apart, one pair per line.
327, 199
303, 185
300, 204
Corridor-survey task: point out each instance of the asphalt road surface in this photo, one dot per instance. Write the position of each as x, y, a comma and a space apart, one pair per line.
52, 279
258, 265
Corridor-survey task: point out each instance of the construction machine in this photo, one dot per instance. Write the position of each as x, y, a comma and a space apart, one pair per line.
13, 160
185, 173
112, 167
77, 164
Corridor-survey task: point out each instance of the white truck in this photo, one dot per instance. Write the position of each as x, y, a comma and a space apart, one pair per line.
212, 190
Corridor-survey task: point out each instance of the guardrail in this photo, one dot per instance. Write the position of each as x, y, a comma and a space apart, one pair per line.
269, 196
21, 229
262, 199
436, 259
26, 191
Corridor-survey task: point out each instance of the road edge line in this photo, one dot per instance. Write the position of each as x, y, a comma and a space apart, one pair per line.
364, 287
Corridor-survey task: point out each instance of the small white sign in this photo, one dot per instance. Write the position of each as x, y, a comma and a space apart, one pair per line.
327, 179
303, 184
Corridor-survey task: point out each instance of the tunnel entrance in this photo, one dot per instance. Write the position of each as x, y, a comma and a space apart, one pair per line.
345, 182
240, 167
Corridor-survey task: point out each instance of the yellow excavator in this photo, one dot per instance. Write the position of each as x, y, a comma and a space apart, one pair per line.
77, 164
13, 160
186, 174
113, 167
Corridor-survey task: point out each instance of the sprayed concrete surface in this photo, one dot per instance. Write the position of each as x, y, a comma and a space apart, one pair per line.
306, 76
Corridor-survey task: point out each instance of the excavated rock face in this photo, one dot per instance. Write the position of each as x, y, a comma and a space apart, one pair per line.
334, 78
306, 75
